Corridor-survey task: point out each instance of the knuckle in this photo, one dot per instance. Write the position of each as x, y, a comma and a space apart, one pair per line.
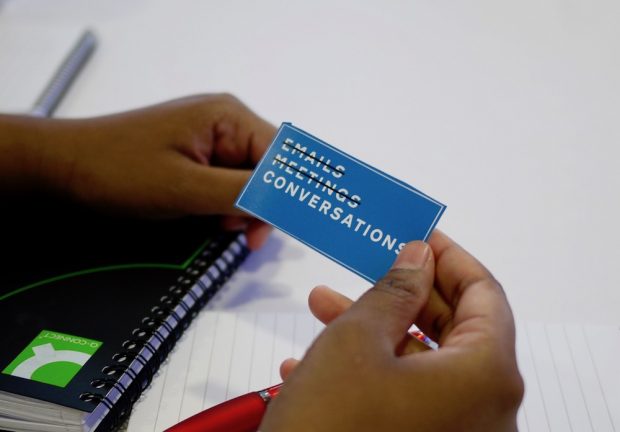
499, 286
486, 282
506, 380
510, 393
516, 390
228, 98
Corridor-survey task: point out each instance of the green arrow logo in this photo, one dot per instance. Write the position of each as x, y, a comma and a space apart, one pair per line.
53, 358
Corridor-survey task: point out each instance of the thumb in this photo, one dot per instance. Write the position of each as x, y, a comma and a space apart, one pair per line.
392, 305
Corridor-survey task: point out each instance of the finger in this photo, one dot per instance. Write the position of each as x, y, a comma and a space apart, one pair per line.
455, 268
387, 310
241, 137
209, 190
327, 304
228, 150
257, 233
199, 148
480, 307
256, 133
235, 223
482, 315
287, 367
436, 317
411, 345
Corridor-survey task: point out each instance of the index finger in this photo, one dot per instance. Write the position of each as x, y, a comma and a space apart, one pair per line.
480, 308
455, 267
241, 136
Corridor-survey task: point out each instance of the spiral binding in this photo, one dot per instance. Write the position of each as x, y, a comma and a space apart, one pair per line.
150, 343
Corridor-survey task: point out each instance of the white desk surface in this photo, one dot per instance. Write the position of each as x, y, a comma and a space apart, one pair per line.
508, 112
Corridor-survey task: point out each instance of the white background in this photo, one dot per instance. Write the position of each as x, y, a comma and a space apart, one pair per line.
508, 112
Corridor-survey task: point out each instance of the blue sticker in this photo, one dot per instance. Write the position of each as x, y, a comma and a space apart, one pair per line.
347, 210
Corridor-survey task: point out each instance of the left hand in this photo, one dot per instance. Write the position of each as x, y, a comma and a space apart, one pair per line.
187, 156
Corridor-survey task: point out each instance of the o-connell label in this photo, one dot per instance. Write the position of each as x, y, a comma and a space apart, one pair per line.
52, 358
347, 210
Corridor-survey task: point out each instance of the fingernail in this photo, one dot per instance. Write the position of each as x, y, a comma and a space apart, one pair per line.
413, 256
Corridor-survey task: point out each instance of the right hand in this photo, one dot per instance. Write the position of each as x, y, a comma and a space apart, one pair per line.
356, 377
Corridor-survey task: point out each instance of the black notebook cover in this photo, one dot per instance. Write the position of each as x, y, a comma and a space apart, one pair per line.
113, 287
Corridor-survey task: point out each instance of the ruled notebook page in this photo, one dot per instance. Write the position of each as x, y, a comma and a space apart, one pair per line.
570, 370
571, 377
221, 356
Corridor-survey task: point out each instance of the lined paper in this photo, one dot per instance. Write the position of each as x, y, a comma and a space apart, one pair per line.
221, 356
571, 377
570, 370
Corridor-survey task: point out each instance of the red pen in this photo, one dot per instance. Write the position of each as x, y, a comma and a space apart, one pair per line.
241, 414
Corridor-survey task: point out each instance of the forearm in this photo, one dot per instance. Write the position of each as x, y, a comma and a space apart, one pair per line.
33, 152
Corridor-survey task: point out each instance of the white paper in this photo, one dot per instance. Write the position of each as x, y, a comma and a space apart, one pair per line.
221, 356
571, 378
570, 370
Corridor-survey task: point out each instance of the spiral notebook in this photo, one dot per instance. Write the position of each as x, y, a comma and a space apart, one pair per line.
91, 305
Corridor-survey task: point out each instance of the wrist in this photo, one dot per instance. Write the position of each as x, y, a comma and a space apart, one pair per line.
35, 153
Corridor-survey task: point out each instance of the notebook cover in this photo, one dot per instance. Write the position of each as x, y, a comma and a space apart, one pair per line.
72, 271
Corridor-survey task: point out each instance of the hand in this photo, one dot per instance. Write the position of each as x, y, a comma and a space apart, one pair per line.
357, 376
187, 156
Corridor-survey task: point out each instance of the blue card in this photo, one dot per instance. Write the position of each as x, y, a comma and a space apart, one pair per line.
347, 210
